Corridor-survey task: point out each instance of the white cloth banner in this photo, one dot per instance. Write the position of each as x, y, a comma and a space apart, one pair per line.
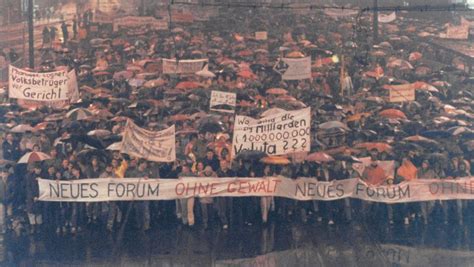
184, 66
134, 22
278, 134
223, 101
128, 189
298, 68
49, 86
153, 146
383, 18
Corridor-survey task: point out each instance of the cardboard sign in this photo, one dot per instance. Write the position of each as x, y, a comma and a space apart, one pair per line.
49, 86
278, 134
261, 36
223, 101
460, 32
401, 94
185, 66
153, 146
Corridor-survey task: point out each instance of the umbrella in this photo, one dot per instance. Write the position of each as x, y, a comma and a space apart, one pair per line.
436, 134
250, 155
276, 91
275, 160
247, 74
295, 54
154, 83
347, 158
189, 85
136, 82
22, 128
379, 146
419, 139
458, 130
99, 133
319, 157
125, 74
401, 64
357, 116
392, 114
180, 117
212, 127
79, 114
31, 157
333, 124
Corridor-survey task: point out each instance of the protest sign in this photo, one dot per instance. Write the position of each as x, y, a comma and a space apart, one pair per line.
383, 18
49, 86
130, 189
401, 94
153, 146
135, 22
261, 36
185, 66
223, 101
294, 68
73, 96
278, 134
460, 32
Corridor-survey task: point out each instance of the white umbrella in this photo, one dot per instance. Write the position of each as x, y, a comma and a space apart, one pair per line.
115, 146
31, 157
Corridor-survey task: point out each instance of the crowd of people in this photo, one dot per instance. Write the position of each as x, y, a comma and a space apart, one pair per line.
119, 79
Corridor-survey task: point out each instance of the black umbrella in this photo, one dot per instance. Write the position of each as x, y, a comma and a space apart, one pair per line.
346, 158
211, 127
436, 134
250, 155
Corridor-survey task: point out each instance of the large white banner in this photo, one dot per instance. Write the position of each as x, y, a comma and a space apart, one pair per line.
49, 86
134, 22
294, 68
223, 101
278, 134
128, 189
183, 66
153, 146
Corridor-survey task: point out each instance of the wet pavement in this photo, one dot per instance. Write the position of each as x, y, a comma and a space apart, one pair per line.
277, 244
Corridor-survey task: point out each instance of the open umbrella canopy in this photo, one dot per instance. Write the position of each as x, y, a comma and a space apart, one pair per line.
31, 157
276, 91
275, 160
78, 114
22, 128
250, 155
189, 85
99, 133
333, 124
419, 139
319, 157
392, 114
379, 146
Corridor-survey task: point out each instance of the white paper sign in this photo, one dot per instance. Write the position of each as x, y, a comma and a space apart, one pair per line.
223, 101
278, 134
49, 86
295, 68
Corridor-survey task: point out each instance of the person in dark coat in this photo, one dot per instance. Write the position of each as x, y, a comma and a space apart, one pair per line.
11, 148
65, 32
34, 207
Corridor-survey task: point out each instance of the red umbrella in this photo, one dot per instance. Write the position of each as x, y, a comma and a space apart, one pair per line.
392, 114
276, 91
247, 74
379, 146
319, 157
189, 85
31, 157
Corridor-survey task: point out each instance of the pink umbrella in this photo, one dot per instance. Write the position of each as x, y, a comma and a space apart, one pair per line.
319, 157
